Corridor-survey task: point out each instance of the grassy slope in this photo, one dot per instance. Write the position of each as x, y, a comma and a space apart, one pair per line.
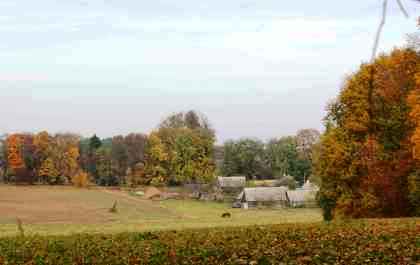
60, 210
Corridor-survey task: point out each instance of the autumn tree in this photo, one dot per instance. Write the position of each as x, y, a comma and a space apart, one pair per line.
43, 147
20, 157
136, 175
305, 141
64, 153
283, 159
366, 153
42, 143
47, 172
135, 144
80, 179
181, 150
104, 167
191, 119
414, 116
3, 158
119, 156
14, 151
157, 160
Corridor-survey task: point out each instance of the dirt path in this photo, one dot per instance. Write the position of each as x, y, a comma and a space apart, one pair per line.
125, 196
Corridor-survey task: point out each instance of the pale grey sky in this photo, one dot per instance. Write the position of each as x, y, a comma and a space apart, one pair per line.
261, 68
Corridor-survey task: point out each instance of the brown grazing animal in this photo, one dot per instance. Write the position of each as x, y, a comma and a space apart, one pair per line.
226, 215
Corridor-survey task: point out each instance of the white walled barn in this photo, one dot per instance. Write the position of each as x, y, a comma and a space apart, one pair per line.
278, 196
305, 196
252, 197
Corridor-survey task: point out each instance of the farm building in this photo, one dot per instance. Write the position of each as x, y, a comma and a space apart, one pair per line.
305, 196
252, 197
279, 196
231, 182
301, 198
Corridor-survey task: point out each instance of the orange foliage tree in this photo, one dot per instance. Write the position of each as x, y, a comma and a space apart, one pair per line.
14, 152
372, 138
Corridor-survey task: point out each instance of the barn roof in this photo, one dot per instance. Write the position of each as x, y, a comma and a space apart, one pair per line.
263, 194
232, 182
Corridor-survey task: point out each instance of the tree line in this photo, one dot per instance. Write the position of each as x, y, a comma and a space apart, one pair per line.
277, 158
179, 150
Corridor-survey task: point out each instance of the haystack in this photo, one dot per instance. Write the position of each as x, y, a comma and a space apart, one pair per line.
152, 193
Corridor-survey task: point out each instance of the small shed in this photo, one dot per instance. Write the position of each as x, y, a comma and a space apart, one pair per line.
303, 197
231, 182
252, 197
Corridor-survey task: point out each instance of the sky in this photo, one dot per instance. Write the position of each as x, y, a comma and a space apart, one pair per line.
263, 68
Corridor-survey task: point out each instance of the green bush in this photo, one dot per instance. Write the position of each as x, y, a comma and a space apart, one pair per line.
414, 193
361, 242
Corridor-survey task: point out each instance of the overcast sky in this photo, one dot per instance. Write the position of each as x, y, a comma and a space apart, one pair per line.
262, 68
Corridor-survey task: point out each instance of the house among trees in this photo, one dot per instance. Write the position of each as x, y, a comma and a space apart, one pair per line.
270, 196
231, 182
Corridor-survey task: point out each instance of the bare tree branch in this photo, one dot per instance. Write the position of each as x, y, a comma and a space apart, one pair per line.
382, 24
380, 28
402, 8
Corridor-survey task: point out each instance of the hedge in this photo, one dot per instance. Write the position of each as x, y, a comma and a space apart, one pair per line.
362, 242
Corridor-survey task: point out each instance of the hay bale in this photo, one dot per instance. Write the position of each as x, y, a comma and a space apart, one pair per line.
139, 193
152, 193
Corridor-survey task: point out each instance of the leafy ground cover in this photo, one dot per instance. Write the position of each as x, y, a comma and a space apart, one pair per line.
357, 242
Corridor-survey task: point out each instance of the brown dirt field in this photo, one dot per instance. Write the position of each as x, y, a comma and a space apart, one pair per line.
49, 205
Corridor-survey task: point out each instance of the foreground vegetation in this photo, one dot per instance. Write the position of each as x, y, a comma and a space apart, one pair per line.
369, 156
358, 242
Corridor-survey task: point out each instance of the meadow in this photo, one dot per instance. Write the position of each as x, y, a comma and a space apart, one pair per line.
59, 210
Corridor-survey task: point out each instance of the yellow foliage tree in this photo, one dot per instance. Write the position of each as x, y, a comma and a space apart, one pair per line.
42, 143
48, 171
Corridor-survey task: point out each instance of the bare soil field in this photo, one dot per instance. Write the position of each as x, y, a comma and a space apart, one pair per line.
43, 205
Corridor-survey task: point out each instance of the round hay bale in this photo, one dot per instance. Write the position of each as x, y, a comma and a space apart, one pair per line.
152, 193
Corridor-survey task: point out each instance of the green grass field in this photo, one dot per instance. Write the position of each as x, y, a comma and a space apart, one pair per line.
65, 210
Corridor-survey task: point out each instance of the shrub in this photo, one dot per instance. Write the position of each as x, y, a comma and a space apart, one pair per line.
157, 182
81, 179
414, 193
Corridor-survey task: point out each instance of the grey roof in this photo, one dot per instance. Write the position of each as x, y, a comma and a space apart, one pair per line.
231, 182
263, 194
